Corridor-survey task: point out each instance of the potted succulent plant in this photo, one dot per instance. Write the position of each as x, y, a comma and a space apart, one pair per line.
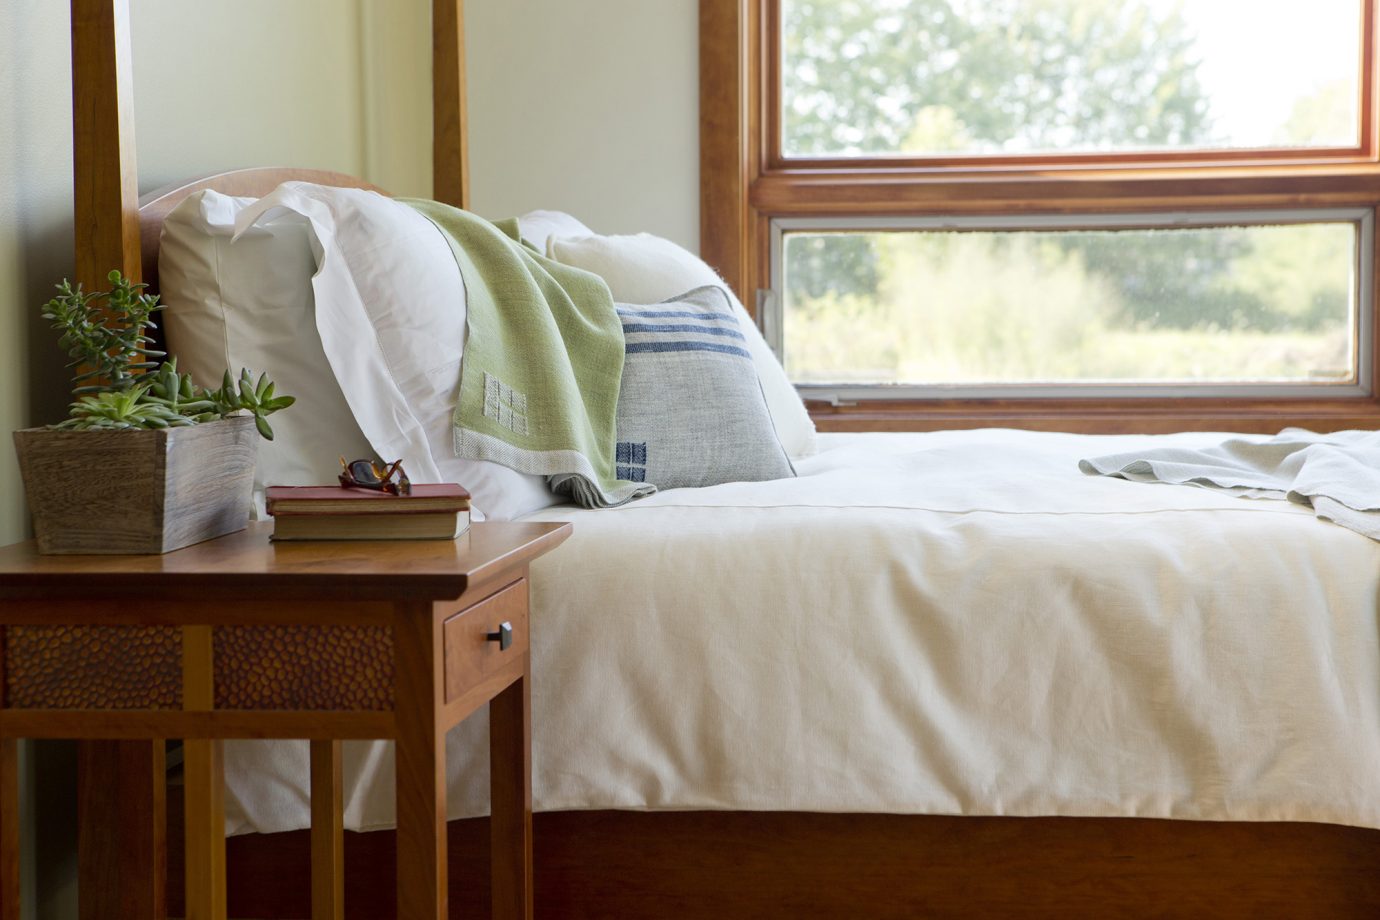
147, 461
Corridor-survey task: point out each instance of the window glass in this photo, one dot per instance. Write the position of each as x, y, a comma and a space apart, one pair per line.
1020, 77
1186, 305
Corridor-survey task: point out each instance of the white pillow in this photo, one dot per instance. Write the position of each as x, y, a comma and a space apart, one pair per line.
250, 305
539, 227
648, 269
390, 311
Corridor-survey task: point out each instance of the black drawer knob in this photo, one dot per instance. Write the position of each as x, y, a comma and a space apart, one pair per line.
504, 636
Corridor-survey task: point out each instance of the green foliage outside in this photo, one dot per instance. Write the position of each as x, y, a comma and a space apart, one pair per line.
974, 308
1013, 76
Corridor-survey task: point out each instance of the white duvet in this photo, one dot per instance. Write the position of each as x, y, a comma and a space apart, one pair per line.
948, 623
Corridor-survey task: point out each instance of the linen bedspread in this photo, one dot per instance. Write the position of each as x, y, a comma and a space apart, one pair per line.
948, 623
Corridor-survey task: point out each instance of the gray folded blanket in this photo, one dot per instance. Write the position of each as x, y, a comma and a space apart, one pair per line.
1337, 474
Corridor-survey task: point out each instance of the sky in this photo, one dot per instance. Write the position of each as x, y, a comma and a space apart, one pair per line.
1260, 56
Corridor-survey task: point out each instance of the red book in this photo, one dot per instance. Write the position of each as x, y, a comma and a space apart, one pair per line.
426, 497
431, 512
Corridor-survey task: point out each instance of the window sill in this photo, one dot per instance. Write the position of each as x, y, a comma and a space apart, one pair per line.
1101, 416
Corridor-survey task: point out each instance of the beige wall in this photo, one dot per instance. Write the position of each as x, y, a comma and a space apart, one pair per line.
218, 84
589, 107
584, 106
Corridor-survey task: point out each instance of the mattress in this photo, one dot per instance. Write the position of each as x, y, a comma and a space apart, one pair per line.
944, 623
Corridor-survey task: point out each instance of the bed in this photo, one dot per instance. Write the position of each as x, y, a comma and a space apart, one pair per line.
939, 674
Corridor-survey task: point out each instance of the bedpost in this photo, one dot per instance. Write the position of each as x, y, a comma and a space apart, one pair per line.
725, 144
120, 797
450, 163
106, 183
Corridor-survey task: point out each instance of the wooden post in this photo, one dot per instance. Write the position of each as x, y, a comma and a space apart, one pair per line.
9, 829
203, 784
327, 832
510, 772
421, 763
122, 865
450, 162
106, 178
725, 144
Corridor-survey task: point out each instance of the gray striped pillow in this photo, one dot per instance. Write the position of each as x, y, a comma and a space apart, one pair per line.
691, 410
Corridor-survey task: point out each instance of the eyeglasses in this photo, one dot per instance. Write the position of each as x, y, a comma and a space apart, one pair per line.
366, 474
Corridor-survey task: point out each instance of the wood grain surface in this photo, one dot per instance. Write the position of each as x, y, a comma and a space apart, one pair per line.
246, 566
510, 778
204, 787
122, 815
327, 832
450, 162
105, 174
420, 758
118, 492
722, 865
725, 236
10, 863
470, 655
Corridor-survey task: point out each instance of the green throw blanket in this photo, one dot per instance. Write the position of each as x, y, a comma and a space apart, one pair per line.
542, 365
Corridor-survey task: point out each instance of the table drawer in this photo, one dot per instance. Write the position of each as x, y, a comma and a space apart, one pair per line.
469, 652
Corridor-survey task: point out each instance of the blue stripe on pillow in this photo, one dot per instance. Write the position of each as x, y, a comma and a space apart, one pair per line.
675, 314
681, 327
635, 347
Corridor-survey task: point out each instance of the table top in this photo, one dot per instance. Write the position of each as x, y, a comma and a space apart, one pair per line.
246, 564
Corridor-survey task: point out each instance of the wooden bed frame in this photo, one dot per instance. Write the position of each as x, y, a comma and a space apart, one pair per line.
631, 864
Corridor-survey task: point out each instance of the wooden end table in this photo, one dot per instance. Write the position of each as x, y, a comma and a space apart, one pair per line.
242, 638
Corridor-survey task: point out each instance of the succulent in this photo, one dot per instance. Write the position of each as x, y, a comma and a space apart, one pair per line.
105, 333
120, 383
256, 398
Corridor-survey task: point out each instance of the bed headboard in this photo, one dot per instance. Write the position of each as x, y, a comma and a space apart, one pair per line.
253, 183
115, 229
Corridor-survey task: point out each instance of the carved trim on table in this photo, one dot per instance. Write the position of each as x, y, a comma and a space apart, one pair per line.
303, 667
93, 667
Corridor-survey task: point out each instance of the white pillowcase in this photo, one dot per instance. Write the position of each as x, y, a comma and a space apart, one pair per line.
390, 312
539, 227
250, 305
645, 269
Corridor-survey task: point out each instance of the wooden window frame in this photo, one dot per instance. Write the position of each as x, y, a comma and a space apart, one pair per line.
745, 183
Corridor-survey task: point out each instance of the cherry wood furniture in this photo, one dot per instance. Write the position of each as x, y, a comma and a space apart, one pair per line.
698, 865
120, 799
747, 181
242, 638
690, 864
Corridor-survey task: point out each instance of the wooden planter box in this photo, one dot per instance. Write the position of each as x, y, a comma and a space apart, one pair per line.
137, 491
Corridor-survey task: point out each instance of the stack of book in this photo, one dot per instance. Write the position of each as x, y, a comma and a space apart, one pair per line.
432, 512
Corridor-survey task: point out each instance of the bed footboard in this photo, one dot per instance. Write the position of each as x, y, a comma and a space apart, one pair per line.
717, 865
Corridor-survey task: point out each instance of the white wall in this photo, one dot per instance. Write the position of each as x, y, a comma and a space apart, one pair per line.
589, 107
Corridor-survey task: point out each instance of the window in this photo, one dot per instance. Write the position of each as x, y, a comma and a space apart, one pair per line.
1141, 212
1013, 77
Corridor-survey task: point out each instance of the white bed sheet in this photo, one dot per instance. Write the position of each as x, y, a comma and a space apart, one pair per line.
947, 623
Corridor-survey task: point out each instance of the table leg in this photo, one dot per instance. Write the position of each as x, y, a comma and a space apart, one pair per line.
510, 791
327, 832
122, 859
9, 829
421, 765
204, 784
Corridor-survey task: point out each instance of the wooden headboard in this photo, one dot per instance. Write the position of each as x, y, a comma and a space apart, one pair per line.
252, 183
115, 229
